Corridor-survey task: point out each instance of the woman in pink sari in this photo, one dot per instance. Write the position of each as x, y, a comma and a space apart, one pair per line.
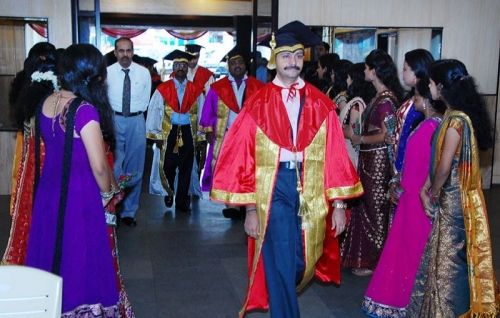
390, 288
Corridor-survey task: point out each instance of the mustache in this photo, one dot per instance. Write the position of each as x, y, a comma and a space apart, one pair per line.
292, 67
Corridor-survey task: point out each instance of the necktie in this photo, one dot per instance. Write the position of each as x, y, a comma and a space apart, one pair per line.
126, 94
292, 92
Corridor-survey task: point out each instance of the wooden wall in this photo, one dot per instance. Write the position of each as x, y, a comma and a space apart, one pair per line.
57, 12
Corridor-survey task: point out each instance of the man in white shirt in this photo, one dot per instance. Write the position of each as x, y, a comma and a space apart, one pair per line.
129, 86
222, 104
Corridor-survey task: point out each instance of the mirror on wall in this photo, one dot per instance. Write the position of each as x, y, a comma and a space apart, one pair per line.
17, 36
355, 43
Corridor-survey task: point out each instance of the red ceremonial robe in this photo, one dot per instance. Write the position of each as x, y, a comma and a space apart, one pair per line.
201, 76
215, 117
246, 169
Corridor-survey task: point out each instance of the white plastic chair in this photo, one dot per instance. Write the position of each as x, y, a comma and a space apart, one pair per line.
28, 292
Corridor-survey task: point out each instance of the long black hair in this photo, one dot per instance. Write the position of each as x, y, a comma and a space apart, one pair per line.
386, 71
459, 92
25, 95
419, 61
423, 90
359, 86
340, 70
82, 71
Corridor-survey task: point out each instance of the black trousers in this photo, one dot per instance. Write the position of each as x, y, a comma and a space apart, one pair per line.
183, 161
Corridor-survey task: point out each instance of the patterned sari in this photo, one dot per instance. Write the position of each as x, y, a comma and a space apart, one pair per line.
367, 229
456, 277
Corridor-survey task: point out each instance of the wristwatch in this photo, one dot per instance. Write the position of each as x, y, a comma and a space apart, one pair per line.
339, 205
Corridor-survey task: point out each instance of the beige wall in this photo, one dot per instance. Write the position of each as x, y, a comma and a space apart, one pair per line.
471, 28
176, 7
471, 33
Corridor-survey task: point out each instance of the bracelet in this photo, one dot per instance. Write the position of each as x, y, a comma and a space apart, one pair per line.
339, 205
107, 195
361, 140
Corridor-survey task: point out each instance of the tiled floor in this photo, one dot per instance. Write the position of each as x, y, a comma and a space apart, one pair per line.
194, 265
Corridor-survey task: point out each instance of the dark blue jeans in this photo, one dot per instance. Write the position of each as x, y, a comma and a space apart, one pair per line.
282, 249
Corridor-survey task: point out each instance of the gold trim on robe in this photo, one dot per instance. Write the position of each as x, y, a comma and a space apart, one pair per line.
222, 118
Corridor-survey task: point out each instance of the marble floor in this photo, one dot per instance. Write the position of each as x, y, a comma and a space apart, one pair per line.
194, 265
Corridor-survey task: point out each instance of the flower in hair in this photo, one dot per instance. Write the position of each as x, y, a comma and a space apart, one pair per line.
45, 76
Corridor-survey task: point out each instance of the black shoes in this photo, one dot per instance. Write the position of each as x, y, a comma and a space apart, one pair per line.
128, 221
169, 201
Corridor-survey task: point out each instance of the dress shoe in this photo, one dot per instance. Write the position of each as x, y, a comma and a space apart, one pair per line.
169, 201
182, 208
129, 221
233, 213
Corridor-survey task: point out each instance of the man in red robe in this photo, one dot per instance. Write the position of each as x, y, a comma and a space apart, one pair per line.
223, 103
284, 158
172, 123
202, 77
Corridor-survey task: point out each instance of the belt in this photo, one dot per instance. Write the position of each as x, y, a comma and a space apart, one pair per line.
130, 115
290, 165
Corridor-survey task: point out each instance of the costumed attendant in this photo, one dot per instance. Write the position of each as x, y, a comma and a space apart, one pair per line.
172, 123
390, 288
456, 277
284, 158
223, 103
203, 78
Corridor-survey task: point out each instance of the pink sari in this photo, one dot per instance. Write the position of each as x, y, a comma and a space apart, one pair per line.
391, 285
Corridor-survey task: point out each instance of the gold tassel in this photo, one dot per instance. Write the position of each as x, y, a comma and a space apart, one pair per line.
272, 59
304, 211
178, 141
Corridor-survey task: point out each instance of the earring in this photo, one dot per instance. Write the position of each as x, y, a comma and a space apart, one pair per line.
424, 106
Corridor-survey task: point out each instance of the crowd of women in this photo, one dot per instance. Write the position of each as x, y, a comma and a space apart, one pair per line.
420, 229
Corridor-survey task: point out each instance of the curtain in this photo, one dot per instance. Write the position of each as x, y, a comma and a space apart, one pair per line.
115, 32
186, 35
40, 28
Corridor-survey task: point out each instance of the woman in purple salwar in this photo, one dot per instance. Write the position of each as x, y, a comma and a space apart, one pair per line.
68, 233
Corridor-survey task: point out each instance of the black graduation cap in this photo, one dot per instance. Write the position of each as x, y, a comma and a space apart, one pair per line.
193, 48
147, 61
235, 52
178, 56
290, 37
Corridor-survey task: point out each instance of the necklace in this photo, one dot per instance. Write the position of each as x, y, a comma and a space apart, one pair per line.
57, 101
58, 112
